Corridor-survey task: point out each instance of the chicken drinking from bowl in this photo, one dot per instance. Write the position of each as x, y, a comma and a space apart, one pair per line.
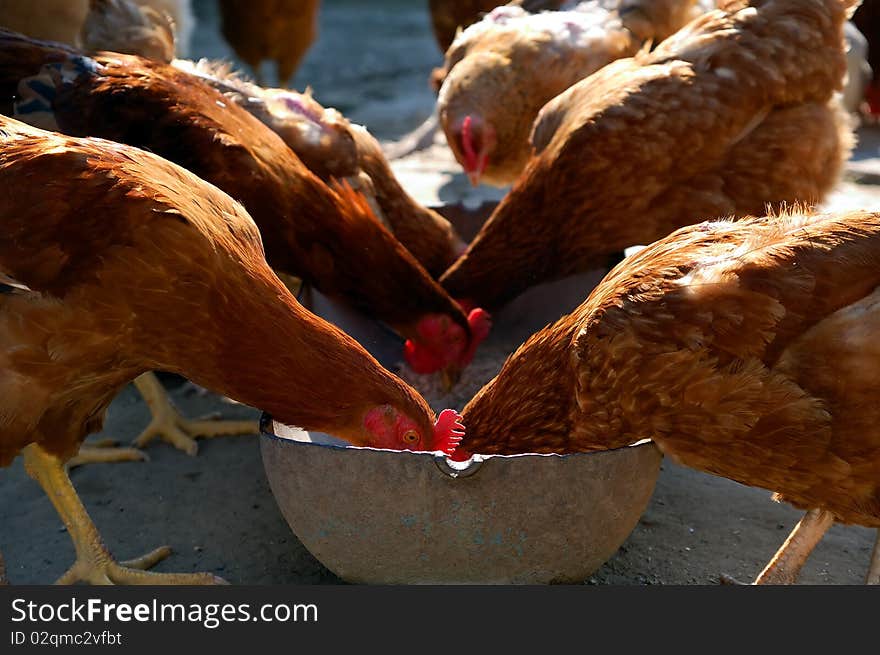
743, 349
101, 245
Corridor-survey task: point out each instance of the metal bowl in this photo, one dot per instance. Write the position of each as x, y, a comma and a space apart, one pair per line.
398, 517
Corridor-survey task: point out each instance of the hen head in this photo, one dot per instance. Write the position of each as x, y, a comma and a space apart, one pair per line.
389, 428
442, 344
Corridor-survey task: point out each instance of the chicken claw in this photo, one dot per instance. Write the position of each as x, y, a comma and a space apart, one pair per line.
167, 423
105, 451
94, 563
97, 567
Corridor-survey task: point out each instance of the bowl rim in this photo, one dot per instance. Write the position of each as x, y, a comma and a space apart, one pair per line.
452, 468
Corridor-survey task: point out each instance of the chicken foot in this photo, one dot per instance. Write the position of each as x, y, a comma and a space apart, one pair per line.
105, 451
167, 423
94, 563
874, 569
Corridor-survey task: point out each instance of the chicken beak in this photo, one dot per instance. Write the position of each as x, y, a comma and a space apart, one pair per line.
449, 377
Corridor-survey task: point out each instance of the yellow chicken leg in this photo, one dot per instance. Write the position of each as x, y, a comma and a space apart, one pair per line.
94, 563
167, 423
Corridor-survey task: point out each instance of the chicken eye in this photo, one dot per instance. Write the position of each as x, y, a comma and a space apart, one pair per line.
410, 436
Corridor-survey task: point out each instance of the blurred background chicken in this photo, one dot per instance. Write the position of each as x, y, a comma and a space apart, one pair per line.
280, 31
64, 20
500, 71
101, 247
745, 349
727, 116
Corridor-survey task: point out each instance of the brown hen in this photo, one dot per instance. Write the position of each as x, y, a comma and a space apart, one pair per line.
101, 245
728, 115
744, 349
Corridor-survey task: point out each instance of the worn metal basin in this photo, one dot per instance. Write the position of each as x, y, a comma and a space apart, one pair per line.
391, 517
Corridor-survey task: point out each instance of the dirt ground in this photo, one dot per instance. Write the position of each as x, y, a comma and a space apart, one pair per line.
216, 509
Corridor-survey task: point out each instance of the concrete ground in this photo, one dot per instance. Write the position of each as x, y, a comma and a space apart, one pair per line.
216, 510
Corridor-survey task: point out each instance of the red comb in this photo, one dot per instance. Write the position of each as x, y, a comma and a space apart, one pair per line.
448, 431
470, 156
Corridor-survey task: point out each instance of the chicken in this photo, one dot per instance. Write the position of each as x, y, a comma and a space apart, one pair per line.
728, 115
66, 21
744, 349
502, 70
333, 148
278, 30
325, 235
104, 244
